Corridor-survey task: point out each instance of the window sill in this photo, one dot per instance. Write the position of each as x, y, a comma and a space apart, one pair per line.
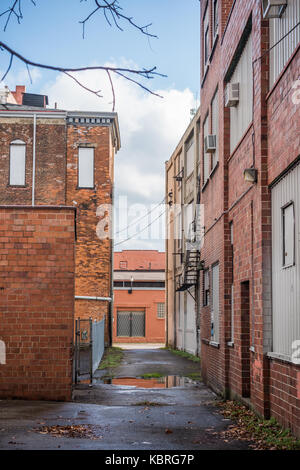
252, 349
230, 344
214, 344
205, 184
82, 187
216, 38
205, 75
14, 186
205, 341
214, 170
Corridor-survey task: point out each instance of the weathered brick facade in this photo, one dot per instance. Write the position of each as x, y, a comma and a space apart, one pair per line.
238, 214
55, 140
37, 274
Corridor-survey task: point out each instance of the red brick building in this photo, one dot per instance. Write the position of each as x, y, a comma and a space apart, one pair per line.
37, 277
57, 157
139, 297
248, 287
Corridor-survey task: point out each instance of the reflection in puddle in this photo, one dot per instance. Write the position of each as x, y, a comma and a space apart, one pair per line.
168, 381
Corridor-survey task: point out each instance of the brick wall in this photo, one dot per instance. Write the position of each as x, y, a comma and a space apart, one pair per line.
141, 300
37, 301
93, 255
50, 160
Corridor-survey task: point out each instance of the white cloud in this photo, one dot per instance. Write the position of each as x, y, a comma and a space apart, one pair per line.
150, 128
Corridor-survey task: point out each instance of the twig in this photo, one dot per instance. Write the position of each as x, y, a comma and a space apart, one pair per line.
113, 90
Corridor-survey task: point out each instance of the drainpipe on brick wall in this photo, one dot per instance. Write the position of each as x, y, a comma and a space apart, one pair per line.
111, 304
88, 297
33, 159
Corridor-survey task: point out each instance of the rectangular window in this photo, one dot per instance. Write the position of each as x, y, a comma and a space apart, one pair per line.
161, 310
288, 235
206, 288
85, 167
215, 304
17, 163
123, 264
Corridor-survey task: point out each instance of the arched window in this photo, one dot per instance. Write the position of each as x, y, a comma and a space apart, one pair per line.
17, 163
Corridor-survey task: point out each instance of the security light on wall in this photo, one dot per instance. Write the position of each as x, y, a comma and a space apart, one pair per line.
273, 8
210, 144
250, 175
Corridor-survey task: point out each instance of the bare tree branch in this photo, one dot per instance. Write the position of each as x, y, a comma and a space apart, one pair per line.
113, 13
113, 8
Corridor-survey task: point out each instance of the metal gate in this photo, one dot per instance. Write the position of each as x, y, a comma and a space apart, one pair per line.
89, 347
131, 324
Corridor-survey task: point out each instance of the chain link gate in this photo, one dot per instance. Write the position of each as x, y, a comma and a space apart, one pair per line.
83, 348
89, 347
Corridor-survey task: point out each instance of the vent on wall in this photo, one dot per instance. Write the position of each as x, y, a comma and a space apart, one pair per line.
232, 95
210, 143
273, 8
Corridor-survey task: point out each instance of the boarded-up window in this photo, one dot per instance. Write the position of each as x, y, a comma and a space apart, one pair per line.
215, 304
17, 163
288, 235
85, 167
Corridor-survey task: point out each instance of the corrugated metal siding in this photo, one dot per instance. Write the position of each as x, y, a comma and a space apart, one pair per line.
215, 126
190, 326
241, 115
285, 281
279, 27
206, 168
215, 302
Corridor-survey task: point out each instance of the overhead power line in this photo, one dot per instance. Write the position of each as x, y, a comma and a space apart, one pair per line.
141, 218
140, 231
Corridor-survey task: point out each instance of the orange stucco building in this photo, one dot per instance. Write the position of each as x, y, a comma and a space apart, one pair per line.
139, 297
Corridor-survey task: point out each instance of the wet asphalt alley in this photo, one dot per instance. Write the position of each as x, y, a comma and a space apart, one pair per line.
169, 410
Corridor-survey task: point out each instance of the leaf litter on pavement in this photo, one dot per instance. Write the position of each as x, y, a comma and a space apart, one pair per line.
74, 431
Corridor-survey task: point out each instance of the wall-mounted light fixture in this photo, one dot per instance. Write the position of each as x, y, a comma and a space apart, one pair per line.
273, 8
250, 175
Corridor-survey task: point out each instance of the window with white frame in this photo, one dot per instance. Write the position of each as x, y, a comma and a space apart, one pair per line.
161, 310
215, 127
215, 303
288, 235
241, 114
85, 167
17, 163
189, 217
278, 28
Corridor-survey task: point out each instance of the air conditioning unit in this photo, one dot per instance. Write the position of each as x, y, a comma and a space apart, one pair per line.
210, 143
273, 8
232, 95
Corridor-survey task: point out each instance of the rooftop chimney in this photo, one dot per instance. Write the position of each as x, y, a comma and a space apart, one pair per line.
18, 94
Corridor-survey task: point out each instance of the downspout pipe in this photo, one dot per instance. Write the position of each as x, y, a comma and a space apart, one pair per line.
33, 160
87, 297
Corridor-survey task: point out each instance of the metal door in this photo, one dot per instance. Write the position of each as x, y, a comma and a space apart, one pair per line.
131, 323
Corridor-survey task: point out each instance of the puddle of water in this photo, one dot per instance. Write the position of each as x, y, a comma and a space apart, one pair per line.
169, 381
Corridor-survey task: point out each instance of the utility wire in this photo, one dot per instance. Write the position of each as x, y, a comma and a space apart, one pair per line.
141, 218
137, 233
276, 44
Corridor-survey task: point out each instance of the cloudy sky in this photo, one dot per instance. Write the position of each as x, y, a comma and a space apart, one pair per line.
150, 126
